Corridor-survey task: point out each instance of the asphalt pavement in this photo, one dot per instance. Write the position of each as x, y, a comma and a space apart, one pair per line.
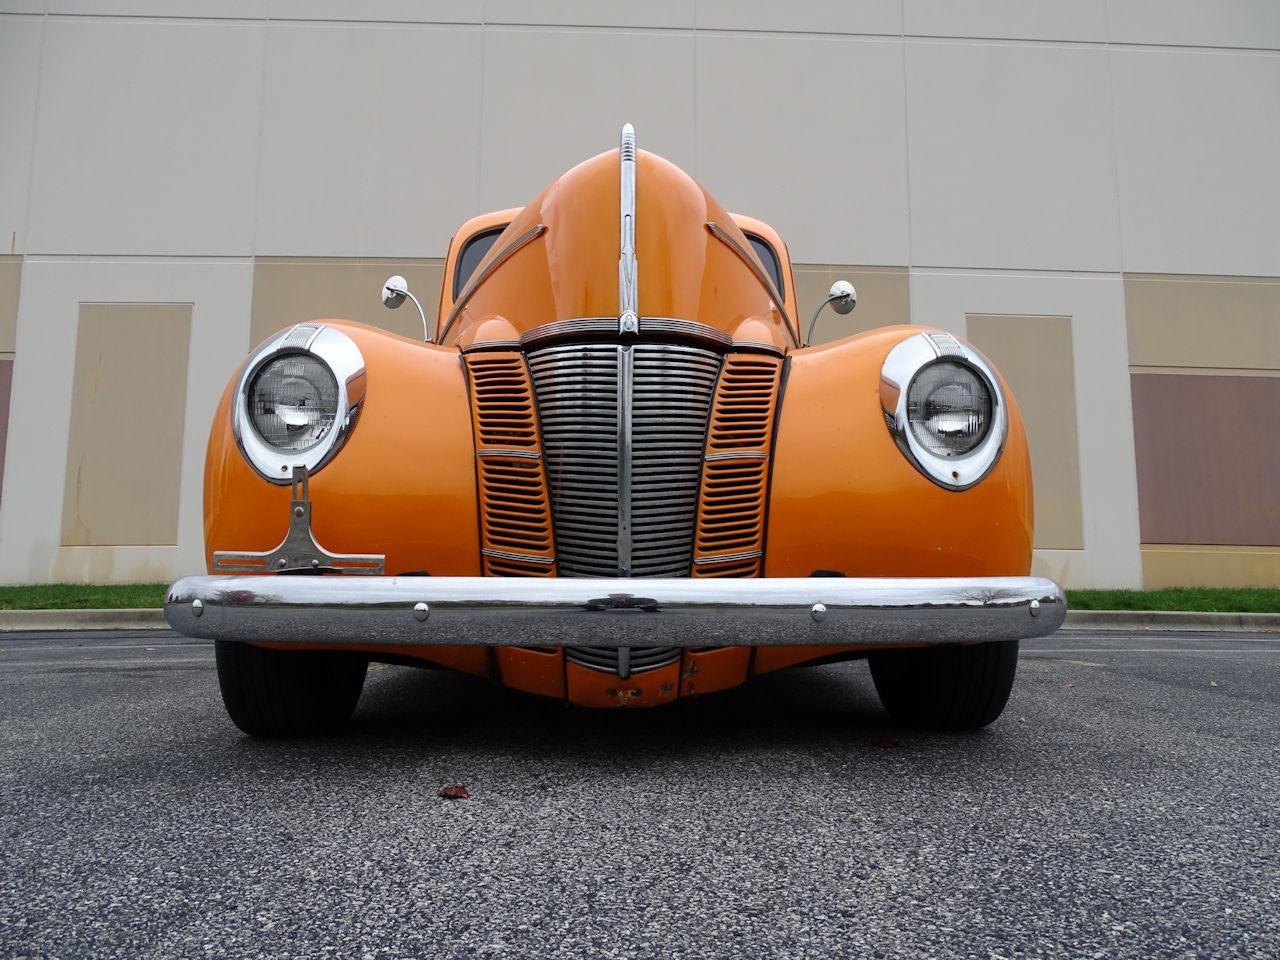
1127, 804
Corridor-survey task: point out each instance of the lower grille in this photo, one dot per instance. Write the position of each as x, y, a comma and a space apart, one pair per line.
624, 430
623, 661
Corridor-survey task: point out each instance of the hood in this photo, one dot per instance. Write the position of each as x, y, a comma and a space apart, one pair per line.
559, 260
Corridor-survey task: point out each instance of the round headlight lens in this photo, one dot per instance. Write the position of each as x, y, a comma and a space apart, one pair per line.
293, 401
949, 408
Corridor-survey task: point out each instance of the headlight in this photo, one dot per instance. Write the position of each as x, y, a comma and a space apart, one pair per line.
293, 401
949, 408
943, 406
298, 400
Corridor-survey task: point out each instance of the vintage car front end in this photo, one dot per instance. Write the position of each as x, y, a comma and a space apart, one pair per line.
618, 476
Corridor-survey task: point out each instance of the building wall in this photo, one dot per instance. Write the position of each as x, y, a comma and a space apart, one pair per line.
1085, 189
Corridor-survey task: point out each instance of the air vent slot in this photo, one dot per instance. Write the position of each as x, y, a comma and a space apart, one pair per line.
515, 515
731, 512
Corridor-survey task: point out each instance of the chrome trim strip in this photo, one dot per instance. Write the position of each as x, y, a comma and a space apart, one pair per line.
628, 295
531, 234
737, 455
626, 387
491, 345
759, 347
502, 452
609, 325
723, 236
731, 557
559, 612
522, 557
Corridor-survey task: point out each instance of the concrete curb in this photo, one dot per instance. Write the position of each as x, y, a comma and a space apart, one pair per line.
143, 619
153, 619
1170, 620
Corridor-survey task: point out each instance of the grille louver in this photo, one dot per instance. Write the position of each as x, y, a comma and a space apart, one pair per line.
515, 515
731, 513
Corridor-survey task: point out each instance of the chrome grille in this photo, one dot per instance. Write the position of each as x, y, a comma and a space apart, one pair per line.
623, 661
624, 428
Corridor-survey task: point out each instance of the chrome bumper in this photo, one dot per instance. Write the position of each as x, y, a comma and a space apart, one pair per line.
510, 611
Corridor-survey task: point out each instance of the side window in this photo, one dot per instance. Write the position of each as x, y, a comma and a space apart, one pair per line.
770, 260
473, 251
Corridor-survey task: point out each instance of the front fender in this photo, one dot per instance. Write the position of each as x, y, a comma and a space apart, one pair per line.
403, 485
844, 499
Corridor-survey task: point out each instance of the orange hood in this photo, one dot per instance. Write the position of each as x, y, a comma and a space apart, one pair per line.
558, 260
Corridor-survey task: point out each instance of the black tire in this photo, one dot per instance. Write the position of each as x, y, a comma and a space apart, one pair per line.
288, 693
946, 688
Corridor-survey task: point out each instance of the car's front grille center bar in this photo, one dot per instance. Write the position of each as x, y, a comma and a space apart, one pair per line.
626, 385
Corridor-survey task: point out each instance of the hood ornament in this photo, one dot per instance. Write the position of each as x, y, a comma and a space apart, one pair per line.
628, 296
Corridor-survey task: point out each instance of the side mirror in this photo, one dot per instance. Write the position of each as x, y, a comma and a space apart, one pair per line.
395, 291
842, 297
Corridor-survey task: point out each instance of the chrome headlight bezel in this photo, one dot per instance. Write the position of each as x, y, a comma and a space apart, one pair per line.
901, 367
340, 354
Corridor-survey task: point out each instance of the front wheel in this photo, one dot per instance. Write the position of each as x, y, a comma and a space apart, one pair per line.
946, 688
288, 693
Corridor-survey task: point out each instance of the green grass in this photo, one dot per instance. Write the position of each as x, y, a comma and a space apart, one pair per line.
80, 596
1198, 599
76, 596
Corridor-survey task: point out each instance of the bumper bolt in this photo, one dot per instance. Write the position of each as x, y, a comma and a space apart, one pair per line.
197, 608
1035, 608
819, 612
421, 611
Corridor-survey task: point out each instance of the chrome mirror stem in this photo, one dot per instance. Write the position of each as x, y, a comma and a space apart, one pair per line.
394, 293
842, 297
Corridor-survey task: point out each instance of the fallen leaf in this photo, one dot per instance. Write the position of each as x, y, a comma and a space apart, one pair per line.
886, 743
1070, 685
455, 791
1213, 683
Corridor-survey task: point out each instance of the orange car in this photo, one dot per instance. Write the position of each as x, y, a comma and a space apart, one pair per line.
615, 473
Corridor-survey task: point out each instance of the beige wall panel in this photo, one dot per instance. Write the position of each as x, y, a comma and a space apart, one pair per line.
1108, 491
836, 191
1197, 150
1196, 23
128, 411
1081, 20
592, 13
553, 98
388, 11
1011, 158
811, 16
1208, 466
369, 139
1036, 357
147, 141
10, 287
6, 386
296, 290
205, 9
1175, 565
20, 40
884, 297
44, 383
1190, 321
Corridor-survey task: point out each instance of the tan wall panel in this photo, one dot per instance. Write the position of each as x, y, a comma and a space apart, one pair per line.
6, 386
289, 290
1181, 565
10, 283
1207, 462
1035, 355
884, 297
1190, 321
128, 408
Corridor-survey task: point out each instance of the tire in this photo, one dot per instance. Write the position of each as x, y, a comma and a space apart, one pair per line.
946, 688
288, 693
